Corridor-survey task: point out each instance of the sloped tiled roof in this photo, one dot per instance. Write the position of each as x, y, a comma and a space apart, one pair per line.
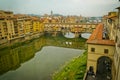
97, 37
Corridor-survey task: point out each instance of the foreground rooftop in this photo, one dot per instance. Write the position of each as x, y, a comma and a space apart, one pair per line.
97, 37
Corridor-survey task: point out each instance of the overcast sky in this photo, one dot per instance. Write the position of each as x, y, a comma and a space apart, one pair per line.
64, 7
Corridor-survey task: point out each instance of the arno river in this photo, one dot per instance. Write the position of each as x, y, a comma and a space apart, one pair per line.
38, 59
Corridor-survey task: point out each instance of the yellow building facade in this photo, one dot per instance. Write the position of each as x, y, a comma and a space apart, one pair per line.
101, 50
6, 26
112, 23
36, 25
104, 47
3, 30
14, 27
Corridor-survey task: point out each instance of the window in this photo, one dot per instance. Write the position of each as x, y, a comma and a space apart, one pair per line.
106, 51
118, 45
110, 21
92, 49
116, 38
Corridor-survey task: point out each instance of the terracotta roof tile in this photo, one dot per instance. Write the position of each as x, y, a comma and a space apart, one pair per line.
97, 37
34, 18
2, 17
112, 16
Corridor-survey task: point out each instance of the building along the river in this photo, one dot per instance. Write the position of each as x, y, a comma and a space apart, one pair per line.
100, 51
114, 23
38, 26
21, 27
7, 32
104, 48
18, 27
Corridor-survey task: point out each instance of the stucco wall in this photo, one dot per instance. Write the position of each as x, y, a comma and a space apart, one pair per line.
99, 52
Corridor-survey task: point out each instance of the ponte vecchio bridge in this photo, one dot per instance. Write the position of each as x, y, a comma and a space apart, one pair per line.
76, 28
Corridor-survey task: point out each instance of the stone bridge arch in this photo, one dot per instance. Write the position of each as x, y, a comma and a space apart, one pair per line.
103, 62
104, 67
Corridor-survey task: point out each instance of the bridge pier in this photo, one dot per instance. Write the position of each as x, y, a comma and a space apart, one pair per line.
54, 34
77, 34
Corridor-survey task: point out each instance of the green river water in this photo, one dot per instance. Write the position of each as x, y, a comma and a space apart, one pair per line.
38, 59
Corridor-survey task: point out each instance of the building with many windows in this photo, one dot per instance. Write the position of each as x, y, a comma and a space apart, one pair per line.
100, 51
104, 49
6, 26
3, 30
19, 27
112, 24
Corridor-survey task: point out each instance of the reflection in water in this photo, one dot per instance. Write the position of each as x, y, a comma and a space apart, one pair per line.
86, 35
11, 58
9, 61
70, 35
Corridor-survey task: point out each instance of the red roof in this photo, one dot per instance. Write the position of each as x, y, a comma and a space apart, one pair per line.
97, 37
35, 18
